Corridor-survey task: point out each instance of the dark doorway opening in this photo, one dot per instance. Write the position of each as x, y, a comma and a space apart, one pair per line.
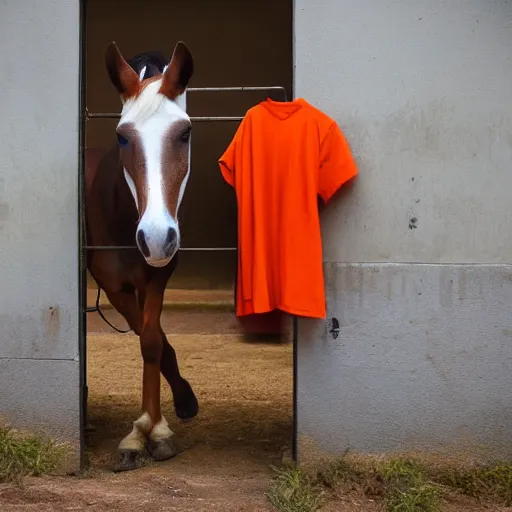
244, 385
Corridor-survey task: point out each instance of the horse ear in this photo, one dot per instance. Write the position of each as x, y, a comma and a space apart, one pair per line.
124, 78
178, 73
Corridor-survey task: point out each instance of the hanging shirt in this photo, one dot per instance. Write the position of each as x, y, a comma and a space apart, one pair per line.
282, 157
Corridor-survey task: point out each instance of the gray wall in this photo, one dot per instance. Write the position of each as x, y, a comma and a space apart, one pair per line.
39, 105
417, 249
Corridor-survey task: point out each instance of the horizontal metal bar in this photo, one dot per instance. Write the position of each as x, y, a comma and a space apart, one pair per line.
113, 115
103, 115
109, 247
215, 118
236, 89
125, 247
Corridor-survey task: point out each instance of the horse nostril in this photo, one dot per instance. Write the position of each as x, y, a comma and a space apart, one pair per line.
141, 242
172, 237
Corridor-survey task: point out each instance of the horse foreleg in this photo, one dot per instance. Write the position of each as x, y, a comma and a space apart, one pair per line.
185, 401
151, 430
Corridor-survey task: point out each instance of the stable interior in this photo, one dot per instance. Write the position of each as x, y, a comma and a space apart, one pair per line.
243, 384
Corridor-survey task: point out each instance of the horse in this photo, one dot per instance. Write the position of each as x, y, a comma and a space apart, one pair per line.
133, 193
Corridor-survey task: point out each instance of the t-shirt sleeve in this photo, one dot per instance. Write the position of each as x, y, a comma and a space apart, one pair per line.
337, 165
227, 162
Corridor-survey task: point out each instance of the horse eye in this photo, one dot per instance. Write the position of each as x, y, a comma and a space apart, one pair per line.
185, 137
123, 141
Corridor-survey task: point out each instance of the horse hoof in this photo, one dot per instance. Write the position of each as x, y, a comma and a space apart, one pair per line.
162, 449
126, 460
186, 406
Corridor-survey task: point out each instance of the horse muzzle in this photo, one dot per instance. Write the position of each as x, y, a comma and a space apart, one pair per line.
158, 246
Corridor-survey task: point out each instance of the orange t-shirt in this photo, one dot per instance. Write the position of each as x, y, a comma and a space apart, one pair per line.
283, 155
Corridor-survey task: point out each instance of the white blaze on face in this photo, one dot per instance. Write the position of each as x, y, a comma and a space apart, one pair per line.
152, 115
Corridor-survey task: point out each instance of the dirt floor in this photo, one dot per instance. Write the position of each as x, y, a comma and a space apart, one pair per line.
244, 425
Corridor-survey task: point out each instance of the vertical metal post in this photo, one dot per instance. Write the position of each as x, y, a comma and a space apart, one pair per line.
82, 278
295, 323
295, 319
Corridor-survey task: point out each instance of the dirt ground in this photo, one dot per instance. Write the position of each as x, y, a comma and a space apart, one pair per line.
244, 425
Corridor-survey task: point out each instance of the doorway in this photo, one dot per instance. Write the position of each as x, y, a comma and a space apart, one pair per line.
244, 383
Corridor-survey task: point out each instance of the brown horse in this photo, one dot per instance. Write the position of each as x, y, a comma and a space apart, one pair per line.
133, 194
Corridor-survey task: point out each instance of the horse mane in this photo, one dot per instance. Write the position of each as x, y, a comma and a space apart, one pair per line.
154, 62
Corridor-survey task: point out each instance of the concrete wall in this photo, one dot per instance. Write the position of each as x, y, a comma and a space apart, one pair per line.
417, 250
39, 105
225, 39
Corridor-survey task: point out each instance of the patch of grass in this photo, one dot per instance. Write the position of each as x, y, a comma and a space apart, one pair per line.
402, 472
424, 498
22, 456
340, 472
491, 482
293, 490
348, 476
407, 488
402, 484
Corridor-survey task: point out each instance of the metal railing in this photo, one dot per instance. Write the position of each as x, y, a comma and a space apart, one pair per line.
113, 115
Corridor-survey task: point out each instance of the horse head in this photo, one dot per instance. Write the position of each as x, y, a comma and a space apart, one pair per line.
154, 145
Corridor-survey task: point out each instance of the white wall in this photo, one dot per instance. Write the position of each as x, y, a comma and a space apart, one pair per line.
422, 90
39, 108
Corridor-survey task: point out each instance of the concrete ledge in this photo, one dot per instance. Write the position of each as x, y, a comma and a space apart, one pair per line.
422, 360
